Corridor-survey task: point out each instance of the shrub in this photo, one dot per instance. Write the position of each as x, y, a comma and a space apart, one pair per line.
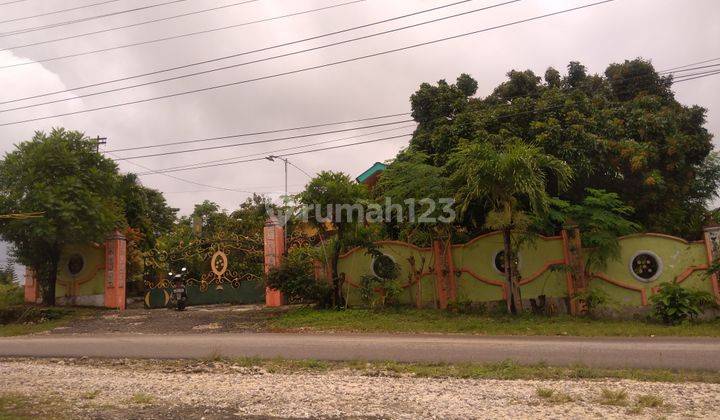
377, 292
593, 299
10, 295
674, 304
295, 279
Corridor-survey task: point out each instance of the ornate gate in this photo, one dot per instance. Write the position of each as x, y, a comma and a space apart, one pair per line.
227, 269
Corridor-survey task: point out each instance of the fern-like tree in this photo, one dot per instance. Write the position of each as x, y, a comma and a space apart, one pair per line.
511, 180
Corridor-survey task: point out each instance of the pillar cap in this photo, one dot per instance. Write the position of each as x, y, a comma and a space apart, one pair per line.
116, 235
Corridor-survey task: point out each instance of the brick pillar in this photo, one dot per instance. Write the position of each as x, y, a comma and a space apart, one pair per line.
575, 276
32, 289
115, 262
274, 244
711, 235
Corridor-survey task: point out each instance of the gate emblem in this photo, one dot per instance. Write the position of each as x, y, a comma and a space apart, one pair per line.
219, 263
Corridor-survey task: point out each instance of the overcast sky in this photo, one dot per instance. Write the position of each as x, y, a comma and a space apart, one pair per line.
669, 32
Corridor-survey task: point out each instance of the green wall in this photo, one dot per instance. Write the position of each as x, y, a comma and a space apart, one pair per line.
87, 285
541, 265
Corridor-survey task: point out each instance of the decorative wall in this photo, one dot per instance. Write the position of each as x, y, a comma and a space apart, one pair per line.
473, 272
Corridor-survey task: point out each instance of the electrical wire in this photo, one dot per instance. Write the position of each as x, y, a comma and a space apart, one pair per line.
305, 69
260, 60
225, 146
167, 38
268, 152
59, 11
87, 19
132, 25
256, 133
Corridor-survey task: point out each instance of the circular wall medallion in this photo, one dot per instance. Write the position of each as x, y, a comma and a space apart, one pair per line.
384, 267
645, 266
75, 264
498, 261
219, 263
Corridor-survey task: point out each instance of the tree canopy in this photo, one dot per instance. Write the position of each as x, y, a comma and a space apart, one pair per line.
623, 132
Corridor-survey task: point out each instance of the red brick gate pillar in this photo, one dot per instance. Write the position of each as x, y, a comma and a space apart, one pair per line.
575, 276
274, 244
32, 289
712, 247
115, 263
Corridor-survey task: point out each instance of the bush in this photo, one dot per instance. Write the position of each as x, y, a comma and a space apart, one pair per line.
11, 294
377, 292
674, 304
593, 299
296, 280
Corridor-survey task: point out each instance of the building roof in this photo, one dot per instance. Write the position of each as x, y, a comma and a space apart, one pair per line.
369, 176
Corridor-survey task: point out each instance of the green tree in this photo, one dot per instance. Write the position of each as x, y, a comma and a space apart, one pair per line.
512, 180
61, 175
7, 274
332, 196
622, 132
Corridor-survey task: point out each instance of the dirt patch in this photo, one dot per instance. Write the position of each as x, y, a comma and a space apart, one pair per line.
194, 320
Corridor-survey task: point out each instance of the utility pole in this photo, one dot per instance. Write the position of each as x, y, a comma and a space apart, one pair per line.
100, 141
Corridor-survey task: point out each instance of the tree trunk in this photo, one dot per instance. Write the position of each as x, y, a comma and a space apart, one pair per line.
54, 260
337, 290
510, 297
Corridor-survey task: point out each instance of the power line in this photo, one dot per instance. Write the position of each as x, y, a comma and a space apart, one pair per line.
225, 137
301, 70
697, 77
189, 181
241, 54
287, 154
225, 146
696, 63
265, 153
152, 41
132, 25
256, 133
12, 2
203, 164
59, 11
86, 19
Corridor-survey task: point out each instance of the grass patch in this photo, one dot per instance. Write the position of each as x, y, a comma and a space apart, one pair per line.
142, 398
91, 395
613, 397
650, 401
436, 321
31, 319
552, 396
22, 407
507, 370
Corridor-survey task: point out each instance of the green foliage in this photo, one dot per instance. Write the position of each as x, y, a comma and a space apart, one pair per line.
325, 193
7, 274
382, 288
593, 299
674, 304
602, 218
61, 175
623, 132
296, 280
10, 295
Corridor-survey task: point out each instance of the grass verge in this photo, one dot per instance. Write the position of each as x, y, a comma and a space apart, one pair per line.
35, 319
507, 370
436, 321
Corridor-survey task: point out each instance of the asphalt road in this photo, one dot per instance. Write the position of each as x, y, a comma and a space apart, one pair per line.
676, 353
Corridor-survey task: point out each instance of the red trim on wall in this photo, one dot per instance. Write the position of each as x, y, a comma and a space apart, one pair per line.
643, 294
538, 273
659, 235
486, 280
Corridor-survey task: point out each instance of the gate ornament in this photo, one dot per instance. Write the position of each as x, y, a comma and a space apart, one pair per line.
230, 259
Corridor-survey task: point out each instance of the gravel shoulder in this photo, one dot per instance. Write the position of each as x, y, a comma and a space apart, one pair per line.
152, 389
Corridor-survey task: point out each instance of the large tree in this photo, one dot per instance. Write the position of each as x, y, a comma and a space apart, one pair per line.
329, 194
511, 180
61, 175
623, 132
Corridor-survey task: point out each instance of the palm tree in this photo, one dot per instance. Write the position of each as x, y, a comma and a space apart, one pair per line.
510, 179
